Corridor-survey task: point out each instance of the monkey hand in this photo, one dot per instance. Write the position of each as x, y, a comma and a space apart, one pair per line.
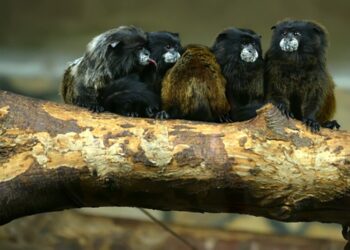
331, 124
152, 111
162, 115
132, 114
94, 107
312, 124
346, 232
225, 118
284, 110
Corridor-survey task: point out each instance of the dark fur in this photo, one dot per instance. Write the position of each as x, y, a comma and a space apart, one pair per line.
194, 88
85, 79
159, 43
299, 82
245, 80
130, 97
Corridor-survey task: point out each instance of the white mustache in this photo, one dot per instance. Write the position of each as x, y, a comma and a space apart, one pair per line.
289, 45
171, 56
144, 57
249, 54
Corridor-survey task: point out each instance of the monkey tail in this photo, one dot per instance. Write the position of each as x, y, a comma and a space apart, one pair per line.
128, 94
246, 112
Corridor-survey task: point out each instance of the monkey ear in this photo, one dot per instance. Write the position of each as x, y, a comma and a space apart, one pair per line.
175, 34
114, 44
318, 29
273, 27
221, 36
113, 47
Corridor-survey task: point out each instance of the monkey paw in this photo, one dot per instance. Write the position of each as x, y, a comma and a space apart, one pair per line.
312, 124
132, 114
284, 110
346, 232
151, 111
224, 118
95, 108
162, 115
331, 124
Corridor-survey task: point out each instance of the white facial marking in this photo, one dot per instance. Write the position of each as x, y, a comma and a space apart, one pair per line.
171, 56
249, 54
289, 45
144, 57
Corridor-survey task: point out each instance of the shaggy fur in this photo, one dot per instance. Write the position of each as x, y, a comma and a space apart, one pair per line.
245, 80
109, 56
194, 88
298, 82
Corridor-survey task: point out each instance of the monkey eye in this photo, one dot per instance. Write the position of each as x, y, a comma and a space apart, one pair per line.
168, 47
284, 33
296, 33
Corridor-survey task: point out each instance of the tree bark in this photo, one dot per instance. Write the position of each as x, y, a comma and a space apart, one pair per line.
55, 156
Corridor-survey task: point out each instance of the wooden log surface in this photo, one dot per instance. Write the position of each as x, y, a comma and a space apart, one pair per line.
55, 156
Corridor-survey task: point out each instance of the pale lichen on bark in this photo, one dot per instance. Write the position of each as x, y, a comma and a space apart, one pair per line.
271, 162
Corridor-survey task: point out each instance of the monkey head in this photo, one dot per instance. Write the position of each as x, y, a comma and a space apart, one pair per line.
240, 46
298, 40
165, 48
118, 52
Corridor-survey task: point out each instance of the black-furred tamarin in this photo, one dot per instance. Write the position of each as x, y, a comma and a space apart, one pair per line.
296, 75
239, 53
165, 48
109, 56
194, 87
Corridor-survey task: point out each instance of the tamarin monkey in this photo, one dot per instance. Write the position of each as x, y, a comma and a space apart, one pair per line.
194, 88
296, 75
239, 53
165, 48
111, 55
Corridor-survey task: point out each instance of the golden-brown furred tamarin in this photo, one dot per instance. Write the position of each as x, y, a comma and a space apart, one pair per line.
296, 75
194, 87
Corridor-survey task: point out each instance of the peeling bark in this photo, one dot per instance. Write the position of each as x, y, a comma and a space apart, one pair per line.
55, 156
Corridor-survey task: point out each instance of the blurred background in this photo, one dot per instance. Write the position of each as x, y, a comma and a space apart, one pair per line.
39, 37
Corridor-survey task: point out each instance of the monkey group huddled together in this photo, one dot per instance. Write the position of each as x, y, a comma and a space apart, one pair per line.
150, 74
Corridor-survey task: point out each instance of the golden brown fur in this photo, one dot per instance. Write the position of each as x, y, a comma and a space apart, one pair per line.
67, 88
195, 88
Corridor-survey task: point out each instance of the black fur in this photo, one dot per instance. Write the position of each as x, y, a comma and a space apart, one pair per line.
109, 56
159, 43
244, 89
130, 97
246, 112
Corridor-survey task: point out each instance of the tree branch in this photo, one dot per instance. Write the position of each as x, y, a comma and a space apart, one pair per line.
55, 156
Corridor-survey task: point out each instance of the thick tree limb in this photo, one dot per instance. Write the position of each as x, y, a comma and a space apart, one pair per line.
54, 157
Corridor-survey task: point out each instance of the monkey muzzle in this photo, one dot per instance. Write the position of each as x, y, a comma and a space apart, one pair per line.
171, 56
144, 58
289, 43
249, 53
